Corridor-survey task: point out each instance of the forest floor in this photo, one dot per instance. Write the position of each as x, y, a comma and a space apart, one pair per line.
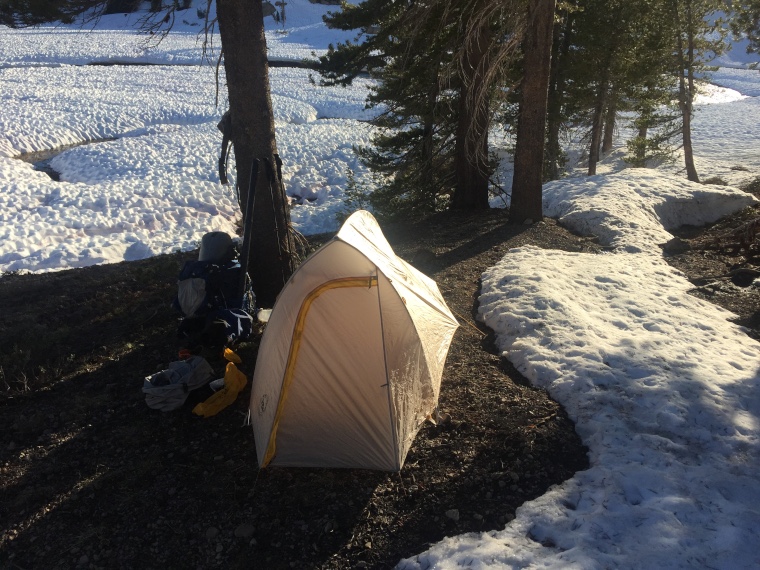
90, 477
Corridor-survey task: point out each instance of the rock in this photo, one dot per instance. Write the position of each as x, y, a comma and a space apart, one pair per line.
245, 530
453, 514
212, 533
675, 246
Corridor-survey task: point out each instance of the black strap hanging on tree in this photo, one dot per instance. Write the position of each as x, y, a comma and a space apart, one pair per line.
225, 125
248, 227
281, 189
276, 187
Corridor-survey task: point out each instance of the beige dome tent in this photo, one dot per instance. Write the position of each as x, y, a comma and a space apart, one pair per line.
351, 360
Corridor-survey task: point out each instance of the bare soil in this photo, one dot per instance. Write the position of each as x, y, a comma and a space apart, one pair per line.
90, 477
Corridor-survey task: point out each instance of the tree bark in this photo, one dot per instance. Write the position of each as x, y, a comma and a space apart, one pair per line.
428, 142
686, 92
597, 125
526, 203
609, 124
555, 96
687, 98
471, 147
241, 27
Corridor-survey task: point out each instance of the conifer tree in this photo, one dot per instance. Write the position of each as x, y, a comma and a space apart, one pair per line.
527, 181
412, 150
745, 22
556, 115
650, 89
21, 13
438, 66
598, 68
619, 56
699, 37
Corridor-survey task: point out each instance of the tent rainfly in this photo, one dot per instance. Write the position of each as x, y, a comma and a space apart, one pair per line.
351, 360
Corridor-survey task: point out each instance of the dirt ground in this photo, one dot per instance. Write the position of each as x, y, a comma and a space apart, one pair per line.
90, 477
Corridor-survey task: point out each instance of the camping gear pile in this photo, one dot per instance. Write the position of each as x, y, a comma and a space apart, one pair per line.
228, 388
216, 301
216, 309
169, 389
350, 362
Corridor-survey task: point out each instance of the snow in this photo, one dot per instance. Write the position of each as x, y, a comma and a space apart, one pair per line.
663, 388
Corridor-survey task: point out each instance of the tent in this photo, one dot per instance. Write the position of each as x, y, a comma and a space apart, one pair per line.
351, 360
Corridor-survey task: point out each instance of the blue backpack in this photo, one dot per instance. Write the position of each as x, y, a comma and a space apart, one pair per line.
208, 297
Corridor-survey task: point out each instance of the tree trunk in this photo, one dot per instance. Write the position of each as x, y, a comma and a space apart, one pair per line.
526, 203
428, 143
609, 124
596, 125
471, 147
686, 93
684, 103
639, 154
687, 98
241, 27
554, 101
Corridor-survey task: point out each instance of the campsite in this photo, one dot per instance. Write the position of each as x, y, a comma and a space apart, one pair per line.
598, 403
104, 482
126, 486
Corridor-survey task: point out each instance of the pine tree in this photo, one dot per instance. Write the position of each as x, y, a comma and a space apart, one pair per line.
437, 67
272, 258
526, 201
650, 89
411, 150
556, 115
698, 39
745, 22
597, 66
21, 13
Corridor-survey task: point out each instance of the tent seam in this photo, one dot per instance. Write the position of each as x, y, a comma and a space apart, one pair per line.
394, 432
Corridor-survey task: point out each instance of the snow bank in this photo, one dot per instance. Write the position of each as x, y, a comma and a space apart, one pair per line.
632, 210
662, 387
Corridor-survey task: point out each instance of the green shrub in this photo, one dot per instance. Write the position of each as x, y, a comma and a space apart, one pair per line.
356, 197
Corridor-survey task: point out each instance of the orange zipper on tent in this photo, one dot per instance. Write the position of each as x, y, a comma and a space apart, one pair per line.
295, 345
